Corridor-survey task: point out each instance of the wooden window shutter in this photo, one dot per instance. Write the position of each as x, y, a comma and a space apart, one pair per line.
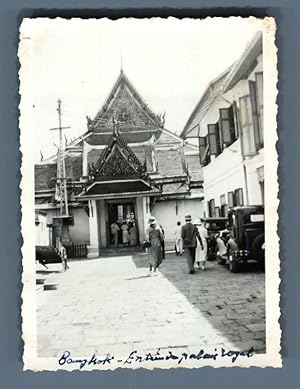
239, 198
211, 208
253, 99
246, 126
236, 119
225, 126
259, 83
230, 199
233, 130
202, 147
213, 139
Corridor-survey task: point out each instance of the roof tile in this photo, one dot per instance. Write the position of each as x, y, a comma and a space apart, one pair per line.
194, 167
169, 162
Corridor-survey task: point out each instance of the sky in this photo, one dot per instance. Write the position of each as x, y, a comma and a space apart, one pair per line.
169, 61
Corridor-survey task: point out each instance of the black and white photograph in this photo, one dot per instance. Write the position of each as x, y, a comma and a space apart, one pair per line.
149, 193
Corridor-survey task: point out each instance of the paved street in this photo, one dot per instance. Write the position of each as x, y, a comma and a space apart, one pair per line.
111, 305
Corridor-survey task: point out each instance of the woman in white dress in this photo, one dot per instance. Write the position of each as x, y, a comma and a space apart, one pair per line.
201, 253
125, 234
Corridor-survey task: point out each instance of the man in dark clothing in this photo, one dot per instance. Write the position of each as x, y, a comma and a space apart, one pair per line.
190, 234
163, 243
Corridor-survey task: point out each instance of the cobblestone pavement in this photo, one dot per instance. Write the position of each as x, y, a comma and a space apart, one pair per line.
112, 305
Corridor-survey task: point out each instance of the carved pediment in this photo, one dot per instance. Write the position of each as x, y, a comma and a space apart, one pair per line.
125, 105
117, 161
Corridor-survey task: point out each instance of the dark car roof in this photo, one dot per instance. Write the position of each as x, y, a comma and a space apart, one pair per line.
247, 207
215, 219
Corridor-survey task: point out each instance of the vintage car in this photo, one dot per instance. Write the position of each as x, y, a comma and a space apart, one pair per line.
46, 255
214, 225
246, 236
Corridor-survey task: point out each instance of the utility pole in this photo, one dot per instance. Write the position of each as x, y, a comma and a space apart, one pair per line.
61, 222
61, 167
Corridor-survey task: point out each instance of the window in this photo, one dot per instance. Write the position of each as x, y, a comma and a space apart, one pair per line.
204, 150
211, 208
236, 119
222, 200
202, 146
257, 122
238, 197
223, 207
235, 198
260, 102
230, 200
246, 129
213, 139
227, 128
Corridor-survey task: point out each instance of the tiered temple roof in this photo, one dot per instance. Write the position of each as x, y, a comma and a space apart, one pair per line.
126, 138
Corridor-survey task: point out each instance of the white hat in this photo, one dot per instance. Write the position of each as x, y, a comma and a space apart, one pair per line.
197, 221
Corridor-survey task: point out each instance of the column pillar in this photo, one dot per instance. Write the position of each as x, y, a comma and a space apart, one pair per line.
143, 213
103, 224
93, 224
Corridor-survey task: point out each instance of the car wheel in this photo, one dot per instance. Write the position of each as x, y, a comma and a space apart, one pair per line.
257, 248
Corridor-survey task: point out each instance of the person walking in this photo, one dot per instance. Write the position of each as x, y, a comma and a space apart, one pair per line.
201, 252
190, 234
132, 234
62, 253
178, 240
155, 237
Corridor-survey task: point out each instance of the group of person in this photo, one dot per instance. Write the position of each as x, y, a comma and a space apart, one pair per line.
191, 238
127, 231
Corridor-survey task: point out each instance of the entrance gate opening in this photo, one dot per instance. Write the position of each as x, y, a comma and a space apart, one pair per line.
122, 228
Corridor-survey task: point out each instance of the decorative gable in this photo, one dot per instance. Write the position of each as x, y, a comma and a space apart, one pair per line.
116, 161
125, 105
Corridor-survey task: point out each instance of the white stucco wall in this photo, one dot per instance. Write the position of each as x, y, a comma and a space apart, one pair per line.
79, 232
254, 188
167, 214
93, 224
42, 232
225, 173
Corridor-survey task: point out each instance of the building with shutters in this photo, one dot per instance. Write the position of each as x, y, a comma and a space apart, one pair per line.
228, 125
123, 169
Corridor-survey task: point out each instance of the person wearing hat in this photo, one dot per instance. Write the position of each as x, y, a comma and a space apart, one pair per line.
201, 252
156, 238
178, 239
190, 235
221, 240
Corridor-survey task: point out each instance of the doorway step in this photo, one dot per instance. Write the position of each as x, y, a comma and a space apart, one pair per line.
120, 251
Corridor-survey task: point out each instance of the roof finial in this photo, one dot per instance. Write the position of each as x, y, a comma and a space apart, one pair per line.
121, 70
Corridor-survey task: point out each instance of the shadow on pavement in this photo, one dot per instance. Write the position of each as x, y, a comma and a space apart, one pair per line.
234, 304
137, 278
141, 260
47, 272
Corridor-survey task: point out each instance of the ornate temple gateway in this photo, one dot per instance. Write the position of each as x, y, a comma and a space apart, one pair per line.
126, 167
